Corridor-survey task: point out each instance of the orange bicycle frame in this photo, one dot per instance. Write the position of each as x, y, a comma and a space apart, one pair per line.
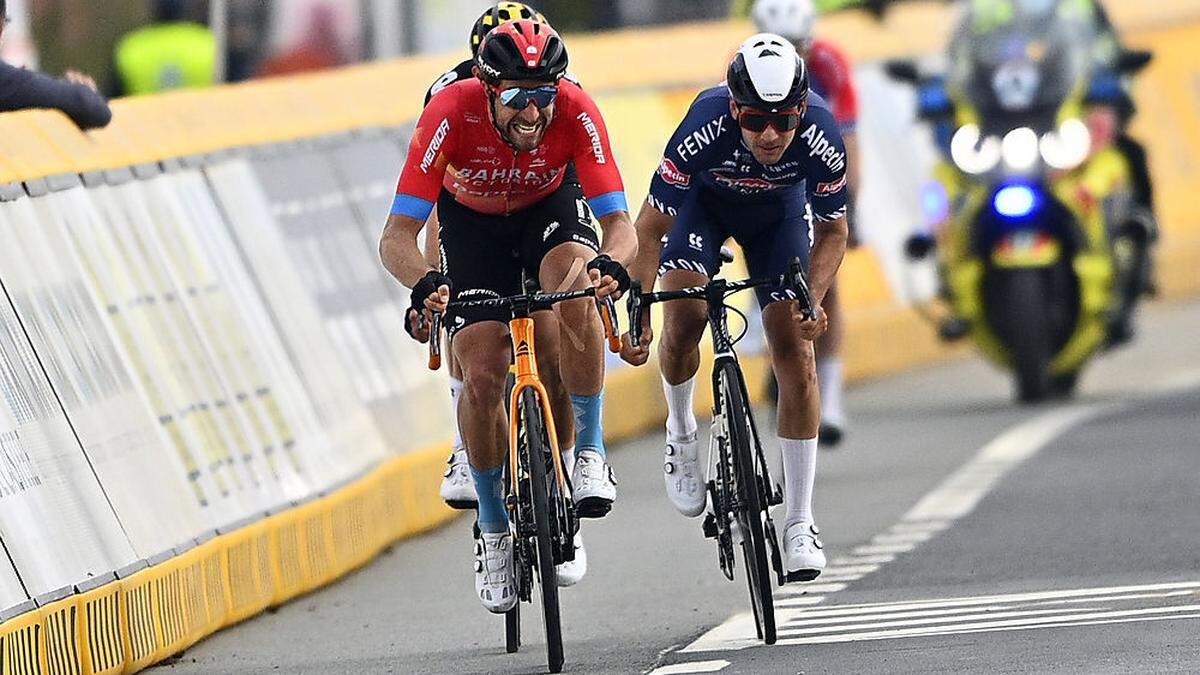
525, 357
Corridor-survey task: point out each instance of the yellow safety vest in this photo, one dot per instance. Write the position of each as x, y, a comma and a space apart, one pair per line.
167, 56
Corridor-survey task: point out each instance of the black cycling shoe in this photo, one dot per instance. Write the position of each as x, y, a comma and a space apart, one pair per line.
829, 436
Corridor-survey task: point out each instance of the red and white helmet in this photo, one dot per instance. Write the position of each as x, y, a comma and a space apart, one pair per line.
522, 50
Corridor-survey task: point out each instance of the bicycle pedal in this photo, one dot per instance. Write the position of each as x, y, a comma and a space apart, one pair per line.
710, 526
802, 575
593, 507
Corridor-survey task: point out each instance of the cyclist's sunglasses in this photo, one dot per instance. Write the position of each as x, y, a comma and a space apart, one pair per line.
518, 98
757, 121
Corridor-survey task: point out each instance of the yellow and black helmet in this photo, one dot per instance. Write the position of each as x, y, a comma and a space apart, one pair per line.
501, 12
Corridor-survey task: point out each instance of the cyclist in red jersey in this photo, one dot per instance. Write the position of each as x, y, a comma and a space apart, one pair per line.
832, 77
492, 152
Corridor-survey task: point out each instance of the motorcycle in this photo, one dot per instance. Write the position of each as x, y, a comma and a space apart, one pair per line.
1031, 252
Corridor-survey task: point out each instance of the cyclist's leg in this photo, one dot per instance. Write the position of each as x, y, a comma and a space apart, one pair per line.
549, 351
559, 242
829, 369
478, 254
690, 257
793, 362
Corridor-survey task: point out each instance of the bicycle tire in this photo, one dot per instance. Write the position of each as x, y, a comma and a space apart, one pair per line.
512, 629
750, 501
538, 455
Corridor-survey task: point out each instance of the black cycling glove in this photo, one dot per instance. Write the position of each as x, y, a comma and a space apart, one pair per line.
428, 285
611, 268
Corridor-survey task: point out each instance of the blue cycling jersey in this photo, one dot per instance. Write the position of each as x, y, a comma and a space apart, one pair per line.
707, 153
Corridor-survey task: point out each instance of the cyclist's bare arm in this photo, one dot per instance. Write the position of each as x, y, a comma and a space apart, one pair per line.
652, 225
823, 263
433, 239
402, 257
850, 138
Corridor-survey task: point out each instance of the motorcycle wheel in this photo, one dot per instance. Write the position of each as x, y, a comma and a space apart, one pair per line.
1025, 317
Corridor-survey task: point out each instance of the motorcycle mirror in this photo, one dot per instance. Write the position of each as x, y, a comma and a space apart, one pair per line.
1133, 61
902, 70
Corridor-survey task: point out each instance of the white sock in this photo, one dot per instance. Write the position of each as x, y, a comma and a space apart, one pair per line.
829, 381
681, 417
799, 474
456, 387
568, 460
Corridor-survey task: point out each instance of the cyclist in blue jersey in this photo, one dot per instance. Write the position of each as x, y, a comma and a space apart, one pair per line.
759, 159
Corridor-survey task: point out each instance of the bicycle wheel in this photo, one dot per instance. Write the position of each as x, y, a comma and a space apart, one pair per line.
750, 503
538, 449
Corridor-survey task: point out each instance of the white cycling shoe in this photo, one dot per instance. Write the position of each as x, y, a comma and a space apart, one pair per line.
593, 484
458, 488
803, 553
495, 583
572, 571
684, 476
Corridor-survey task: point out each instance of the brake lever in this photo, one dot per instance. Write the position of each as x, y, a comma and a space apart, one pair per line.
799, 284
608, 316
435, 341
633, 303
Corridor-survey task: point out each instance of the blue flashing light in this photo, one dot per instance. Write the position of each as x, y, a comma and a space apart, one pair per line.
1015, 201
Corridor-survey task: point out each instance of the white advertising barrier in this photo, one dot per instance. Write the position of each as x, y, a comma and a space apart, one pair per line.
118, 433
56, 523
324, 372
324, 237
308, 449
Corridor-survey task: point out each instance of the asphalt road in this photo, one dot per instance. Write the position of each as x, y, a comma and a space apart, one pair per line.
965, 534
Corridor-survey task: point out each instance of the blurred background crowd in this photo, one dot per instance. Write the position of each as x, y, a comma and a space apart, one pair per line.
235, 40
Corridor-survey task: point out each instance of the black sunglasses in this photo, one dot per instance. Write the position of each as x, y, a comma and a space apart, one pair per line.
753, 120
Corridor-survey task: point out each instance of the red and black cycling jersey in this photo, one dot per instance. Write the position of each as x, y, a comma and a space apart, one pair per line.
833, 78
456, 146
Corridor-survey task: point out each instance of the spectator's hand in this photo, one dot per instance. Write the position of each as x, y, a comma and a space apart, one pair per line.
76, 77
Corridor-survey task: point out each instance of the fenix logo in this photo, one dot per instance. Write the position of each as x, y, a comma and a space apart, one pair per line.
431, 153
820, 147
590, 127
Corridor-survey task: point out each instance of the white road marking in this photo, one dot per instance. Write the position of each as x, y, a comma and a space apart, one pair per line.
984, 626
873, 623
693, 667
938, 510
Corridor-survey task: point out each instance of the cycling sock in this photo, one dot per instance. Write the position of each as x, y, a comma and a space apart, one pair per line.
589, 432
489, 486
829, 381
456, 387
568, 460
799, 474
681, 416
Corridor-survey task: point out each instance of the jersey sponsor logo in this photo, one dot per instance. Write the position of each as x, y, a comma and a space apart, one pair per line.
661, 206
590, 127
444, 81
672, 175
820, 147
486, 149
832, 187
701, 138
512, 175
746, 185
431, 153
695, 241
550, 230
472, 118
830, 217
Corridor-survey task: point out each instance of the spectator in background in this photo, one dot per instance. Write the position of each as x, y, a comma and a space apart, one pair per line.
76, 96
171, 53
320, 47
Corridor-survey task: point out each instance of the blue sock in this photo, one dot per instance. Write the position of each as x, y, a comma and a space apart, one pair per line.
589, 432
489, 486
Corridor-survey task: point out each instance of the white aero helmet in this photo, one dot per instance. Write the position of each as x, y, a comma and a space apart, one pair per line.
768, 74
791, 19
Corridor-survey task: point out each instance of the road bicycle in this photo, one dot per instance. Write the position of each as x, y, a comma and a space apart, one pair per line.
541, 511
740, 489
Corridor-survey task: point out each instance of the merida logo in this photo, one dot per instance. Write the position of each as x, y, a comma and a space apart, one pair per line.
439, 137
523, 349
821, 148
590, 127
